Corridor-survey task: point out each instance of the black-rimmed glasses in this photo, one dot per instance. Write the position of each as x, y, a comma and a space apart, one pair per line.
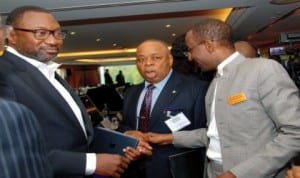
189, 50
42, 34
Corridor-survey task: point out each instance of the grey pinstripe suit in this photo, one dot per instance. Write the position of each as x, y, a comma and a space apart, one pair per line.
22, 149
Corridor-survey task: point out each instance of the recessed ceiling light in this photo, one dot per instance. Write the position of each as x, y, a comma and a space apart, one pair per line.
72, 33
98, 39
168, 26
115, 44
173, 34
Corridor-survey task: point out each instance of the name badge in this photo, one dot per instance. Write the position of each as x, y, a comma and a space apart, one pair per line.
237, 98
177, 122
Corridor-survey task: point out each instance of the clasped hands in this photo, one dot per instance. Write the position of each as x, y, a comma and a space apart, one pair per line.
161, 139
114, 165
145, 139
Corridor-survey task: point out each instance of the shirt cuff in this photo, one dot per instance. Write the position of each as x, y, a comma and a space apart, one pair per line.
90, 163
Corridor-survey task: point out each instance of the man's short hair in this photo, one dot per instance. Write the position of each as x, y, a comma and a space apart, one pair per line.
16, 14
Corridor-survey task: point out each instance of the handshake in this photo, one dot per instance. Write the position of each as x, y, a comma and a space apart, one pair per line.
113, 165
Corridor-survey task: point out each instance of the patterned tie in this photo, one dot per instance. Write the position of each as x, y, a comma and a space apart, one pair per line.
145, 109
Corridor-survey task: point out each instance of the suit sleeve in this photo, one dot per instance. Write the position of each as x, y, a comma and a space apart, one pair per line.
67, 163
190, 138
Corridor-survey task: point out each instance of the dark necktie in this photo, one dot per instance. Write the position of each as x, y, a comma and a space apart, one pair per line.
146, 109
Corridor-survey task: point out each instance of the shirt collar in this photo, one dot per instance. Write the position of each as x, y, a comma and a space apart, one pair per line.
222, 65
47, 69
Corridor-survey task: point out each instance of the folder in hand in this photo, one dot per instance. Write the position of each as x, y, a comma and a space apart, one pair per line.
110, 141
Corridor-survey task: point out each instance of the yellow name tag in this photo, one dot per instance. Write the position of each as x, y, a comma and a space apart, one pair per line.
237, 98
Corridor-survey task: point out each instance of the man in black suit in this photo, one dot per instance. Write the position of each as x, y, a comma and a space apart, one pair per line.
27, 75
176, 97
22, 148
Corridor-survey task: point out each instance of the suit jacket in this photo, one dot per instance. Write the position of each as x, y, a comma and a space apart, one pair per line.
260, 134
180, 94
22, 147
66, 142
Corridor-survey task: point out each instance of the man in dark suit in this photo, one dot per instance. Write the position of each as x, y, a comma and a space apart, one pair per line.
22, 146
27, 75
176, 98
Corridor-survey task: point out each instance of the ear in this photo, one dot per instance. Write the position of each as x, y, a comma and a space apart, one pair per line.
210, 46
10, 35
171, 59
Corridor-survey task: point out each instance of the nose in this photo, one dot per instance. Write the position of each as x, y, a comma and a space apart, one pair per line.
51, 39
148, 61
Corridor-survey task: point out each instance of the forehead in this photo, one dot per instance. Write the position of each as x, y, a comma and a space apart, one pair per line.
33, 18
151, 47
190, 38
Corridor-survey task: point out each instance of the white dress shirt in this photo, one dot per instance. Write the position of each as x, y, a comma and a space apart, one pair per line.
48, 70
214, 147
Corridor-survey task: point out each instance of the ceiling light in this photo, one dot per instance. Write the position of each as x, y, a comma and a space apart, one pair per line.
168, 26
106, 60
72, 33
98, 39
283, 1
173, 34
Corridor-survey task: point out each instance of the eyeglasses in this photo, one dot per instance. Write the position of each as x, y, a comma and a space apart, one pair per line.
189, 50
42, 34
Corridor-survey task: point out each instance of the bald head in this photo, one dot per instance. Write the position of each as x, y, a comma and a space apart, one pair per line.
245, 48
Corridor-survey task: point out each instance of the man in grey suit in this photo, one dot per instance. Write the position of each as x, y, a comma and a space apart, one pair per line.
252, 107
176, 98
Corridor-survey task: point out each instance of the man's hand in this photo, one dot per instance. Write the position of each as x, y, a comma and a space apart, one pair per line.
111, 165
227, 174
161, 139
137, 134
143, 147
294, 172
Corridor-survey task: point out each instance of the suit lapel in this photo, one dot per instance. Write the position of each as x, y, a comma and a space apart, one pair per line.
35, 80
85, 116
134, 99
167, 95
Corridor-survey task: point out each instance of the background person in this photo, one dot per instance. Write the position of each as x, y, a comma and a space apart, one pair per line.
107, 78
174, 95
252, 108
27, 76
120, 79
